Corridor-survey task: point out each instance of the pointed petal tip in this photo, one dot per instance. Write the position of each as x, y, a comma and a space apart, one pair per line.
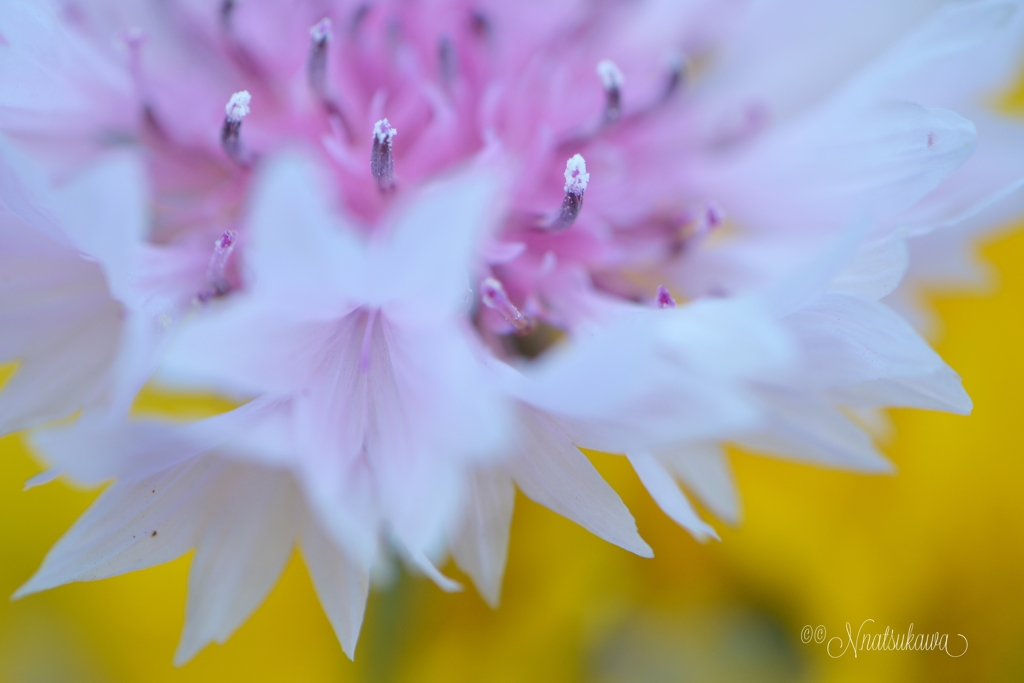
491, 597
951, 395
181, 657
44, 477
33, 585
964, 406
877, 464
446, 584
880, 466
188, 647
488, 588
733, 519
701, 531
23, 591
434, 574
641, 548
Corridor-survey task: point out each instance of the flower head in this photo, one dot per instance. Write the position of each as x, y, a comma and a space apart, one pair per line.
413, 340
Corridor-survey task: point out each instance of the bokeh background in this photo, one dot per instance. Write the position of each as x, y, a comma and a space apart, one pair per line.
939, 545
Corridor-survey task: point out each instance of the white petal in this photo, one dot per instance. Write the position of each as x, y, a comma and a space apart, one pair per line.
480, 542
776, 40
58, 318
302, 254
875, 421
240, 554
341, 584
94, 449
666, 493
806, 428
216, 352
430, 570
346, 508
866, 355
842, 164
987, 191
869, 45
65, 368
645, 376
406, 406
954, 30
103, 211
705, 470
443, 416
421, 266
877, 267
551, 471
57, 88
133, 525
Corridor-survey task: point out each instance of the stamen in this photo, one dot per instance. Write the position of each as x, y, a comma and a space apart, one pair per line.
134, 39
447, 60
227, 11
359, 16
678, 66
480, 23
665, 299
316, 65
576, 179
217, 283
697, 224
236, 109
493, 295
382, 161
709, 220
612, 79
713, 215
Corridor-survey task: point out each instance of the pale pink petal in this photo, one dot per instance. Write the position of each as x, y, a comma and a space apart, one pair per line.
240, 553
135, 524
666, 493
56, 88
341, 584
704, 469
95, 449
479, 542
551, 471
806, 428
863, 354
649, 375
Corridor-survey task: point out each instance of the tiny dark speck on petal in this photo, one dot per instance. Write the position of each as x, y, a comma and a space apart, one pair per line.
154, 490
152, 534
931, 139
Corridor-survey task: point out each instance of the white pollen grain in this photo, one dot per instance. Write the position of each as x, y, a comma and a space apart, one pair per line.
238, 106
610, 74
321, 31
383, 131
576, 176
